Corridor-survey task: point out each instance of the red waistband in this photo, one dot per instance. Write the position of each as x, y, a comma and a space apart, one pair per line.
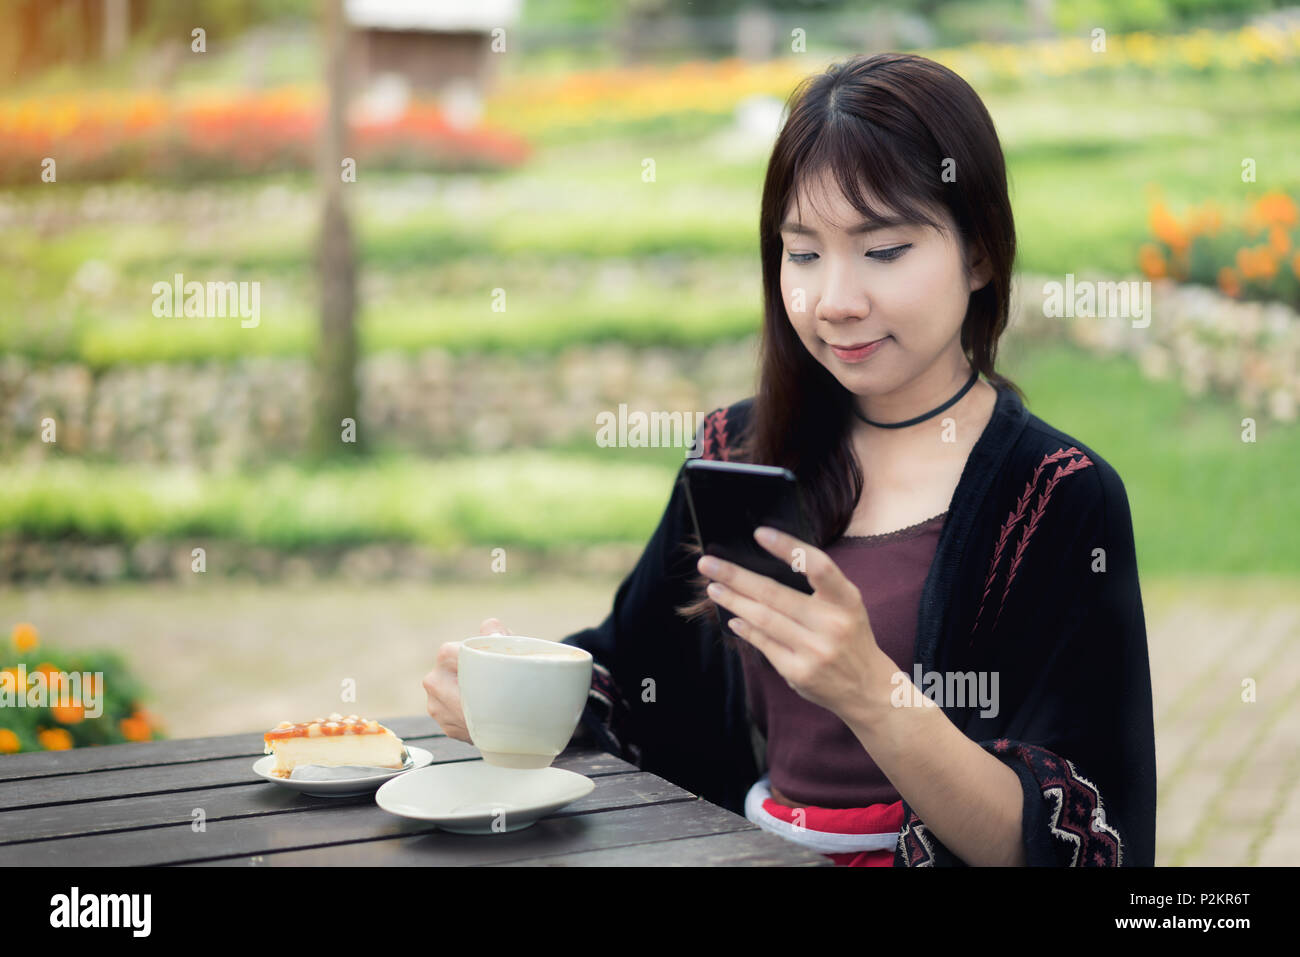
872, 819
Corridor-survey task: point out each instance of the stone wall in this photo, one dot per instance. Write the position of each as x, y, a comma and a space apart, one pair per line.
250, 411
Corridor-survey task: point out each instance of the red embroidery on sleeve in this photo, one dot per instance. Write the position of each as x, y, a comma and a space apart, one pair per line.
713, 442
1077, 820
1013, 520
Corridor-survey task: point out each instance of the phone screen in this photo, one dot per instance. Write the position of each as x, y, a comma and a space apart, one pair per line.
728, 500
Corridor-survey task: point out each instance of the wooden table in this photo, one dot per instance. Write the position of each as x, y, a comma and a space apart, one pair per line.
134, 804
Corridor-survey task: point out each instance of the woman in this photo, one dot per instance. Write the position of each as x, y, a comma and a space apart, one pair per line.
968, 683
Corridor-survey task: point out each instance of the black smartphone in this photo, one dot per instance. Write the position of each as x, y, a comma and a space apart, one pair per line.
728, 500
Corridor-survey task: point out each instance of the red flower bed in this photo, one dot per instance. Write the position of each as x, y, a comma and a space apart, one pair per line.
98, 137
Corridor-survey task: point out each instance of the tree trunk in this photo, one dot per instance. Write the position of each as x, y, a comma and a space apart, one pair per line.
336, 358
117, 25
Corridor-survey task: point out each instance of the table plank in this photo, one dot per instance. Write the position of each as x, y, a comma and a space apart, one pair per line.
331, 827
559, 833
756, 848
66, 790
139, 754
223, 803
157, 778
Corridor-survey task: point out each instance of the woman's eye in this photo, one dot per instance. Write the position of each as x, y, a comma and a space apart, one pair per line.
890, 254
880, 255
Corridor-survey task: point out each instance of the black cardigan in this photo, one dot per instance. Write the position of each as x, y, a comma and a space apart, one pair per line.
1034, 577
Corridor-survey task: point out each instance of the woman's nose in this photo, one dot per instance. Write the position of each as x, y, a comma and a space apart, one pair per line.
842, 296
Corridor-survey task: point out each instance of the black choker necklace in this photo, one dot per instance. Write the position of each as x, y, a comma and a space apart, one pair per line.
920, 418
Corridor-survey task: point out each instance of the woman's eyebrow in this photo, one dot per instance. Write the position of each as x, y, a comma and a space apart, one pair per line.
866, 226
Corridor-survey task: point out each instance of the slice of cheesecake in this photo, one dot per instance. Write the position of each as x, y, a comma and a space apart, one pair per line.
331, 742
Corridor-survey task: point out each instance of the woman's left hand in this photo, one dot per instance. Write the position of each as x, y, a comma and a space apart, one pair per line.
822, 644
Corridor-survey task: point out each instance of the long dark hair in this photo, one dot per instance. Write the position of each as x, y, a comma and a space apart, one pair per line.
894, 122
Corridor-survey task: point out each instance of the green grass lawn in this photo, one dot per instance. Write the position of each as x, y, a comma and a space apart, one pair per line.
1202, 501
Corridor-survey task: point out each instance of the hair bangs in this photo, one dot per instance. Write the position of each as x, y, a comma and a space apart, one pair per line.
863, 160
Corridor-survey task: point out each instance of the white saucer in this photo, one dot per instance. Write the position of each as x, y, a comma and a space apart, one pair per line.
342, 787
474, 797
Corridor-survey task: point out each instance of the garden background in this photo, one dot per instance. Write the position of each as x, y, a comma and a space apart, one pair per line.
129, 440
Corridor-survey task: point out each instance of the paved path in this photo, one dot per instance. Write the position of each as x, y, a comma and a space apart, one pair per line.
234, 658
1228, 769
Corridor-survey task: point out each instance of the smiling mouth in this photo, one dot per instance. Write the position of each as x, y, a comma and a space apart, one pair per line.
860, 353
857, 345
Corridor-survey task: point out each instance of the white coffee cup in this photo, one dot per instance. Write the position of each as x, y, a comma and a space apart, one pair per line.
522, 697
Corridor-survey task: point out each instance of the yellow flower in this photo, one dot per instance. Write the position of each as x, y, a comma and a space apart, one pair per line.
55, 739
25, 637
9, 742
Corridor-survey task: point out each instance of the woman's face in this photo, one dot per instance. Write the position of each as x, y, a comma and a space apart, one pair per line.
902, 284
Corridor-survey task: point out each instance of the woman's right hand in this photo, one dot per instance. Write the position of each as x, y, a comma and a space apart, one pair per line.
442, 684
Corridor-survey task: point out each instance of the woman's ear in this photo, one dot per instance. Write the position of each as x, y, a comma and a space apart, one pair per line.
980, 269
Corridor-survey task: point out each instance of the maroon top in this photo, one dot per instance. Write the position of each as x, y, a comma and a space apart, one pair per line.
812, 756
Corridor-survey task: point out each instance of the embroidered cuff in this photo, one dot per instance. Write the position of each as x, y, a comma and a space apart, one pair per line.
1064, 821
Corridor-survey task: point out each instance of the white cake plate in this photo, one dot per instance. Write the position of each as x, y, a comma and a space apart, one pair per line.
342, 787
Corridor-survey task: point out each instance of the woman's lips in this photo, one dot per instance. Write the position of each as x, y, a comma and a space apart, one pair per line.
859, 353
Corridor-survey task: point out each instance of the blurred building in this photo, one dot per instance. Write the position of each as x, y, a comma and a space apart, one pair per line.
442, 49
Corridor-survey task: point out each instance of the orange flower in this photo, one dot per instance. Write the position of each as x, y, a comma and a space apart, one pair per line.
135, 729
1266, 263
25, 637
1228, 282
1256, 262
1245, 262
72, 714
1278, 240
1295, 265
1276, 209
1206, 220
1166, 228
1151, 262
44, 668
18, 689
55, 739
9, 742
